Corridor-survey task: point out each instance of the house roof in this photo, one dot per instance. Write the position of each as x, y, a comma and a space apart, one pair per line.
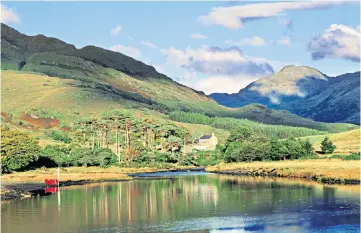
206, 137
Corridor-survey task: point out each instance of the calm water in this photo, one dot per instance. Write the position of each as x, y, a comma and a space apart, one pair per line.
194, 202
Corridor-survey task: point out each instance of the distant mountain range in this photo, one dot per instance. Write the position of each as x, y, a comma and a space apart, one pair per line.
304, 91
93, 80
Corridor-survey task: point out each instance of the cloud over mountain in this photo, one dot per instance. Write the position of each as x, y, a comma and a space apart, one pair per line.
8, 16
127, 50
116, 30
234, 17
149, 44
214, 69
217, 61
338, 41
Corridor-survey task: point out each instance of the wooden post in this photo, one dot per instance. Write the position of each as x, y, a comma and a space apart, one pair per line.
58, 174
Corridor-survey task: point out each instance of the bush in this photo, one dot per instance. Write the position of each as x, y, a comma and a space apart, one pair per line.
73, 155
61, 136
353, 156
18, 150
208, 158
327, 146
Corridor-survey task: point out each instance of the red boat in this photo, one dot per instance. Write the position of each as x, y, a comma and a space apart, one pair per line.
51, 190
51, 182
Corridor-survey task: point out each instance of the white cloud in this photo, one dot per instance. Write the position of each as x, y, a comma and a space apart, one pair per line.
285, 41
216, 61
223, 84
212, 69
127, 50
198, 36
159, 68
116, 30
175, 56
8, 16
130, 38
149, 44
234, 17
338, 41
253, 41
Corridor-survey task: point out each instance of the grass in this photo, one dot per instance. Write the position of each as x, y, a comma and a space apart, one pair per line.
346, 142
322, 170
68, 103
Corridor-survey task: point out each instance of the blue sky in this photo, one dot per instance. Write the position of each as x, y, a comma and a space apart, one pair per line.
210, 46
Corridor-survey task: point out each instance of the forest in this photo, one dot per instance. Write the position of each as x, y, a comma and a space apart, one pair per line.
279, 131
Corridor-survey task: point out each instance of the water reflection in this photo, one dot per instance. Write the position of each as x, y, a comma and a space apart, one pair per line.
202, 203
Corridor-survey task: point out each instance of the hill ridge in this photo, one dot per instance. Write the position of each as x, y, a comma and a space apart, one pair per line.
292, 86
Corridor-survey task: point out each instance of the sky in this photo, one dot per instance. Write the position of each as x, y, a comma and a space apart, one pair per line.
209, 46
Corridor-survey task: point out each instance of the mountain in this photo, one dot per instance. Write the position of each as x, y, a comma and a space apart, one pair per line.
304, 91
41, 73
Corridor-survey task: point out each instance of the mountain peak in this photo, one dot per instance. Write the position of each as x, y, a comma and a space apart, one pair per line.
299, 71
290, 81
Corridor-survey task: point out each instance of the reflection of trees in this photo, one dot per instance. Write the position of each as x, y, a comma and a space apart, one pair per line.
144, 202
263, 195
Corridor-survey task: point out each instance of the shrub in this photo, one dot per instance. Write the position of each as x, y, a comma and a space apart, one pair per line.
207, 158
327, 146
74, 155
353, 156
17, 150
61, 136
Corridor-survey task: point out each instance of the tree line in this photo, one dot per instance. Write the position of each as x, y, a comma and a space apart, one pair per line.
245, 145
278, 131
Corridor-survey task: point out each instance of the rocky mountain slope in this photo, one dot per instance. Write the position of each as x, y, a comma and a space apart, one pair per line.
304, 91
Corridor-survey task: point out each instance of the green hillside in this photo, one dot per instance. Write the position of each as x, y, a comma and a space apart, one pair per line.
56, 79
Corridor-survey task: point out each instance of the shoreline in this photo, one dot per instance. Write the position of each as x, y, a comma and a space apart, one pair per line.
25, 184
18, 189
315, 178
318, 170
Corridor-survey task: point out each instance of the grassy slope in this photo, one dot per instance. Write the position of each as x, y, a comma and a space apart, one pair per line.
346, 142
69, 103
67, 96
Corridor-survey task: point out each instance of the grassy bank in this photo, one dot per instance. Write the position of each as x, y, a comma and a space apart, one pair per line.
19, 183
345, 142
321, 170
79, 173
